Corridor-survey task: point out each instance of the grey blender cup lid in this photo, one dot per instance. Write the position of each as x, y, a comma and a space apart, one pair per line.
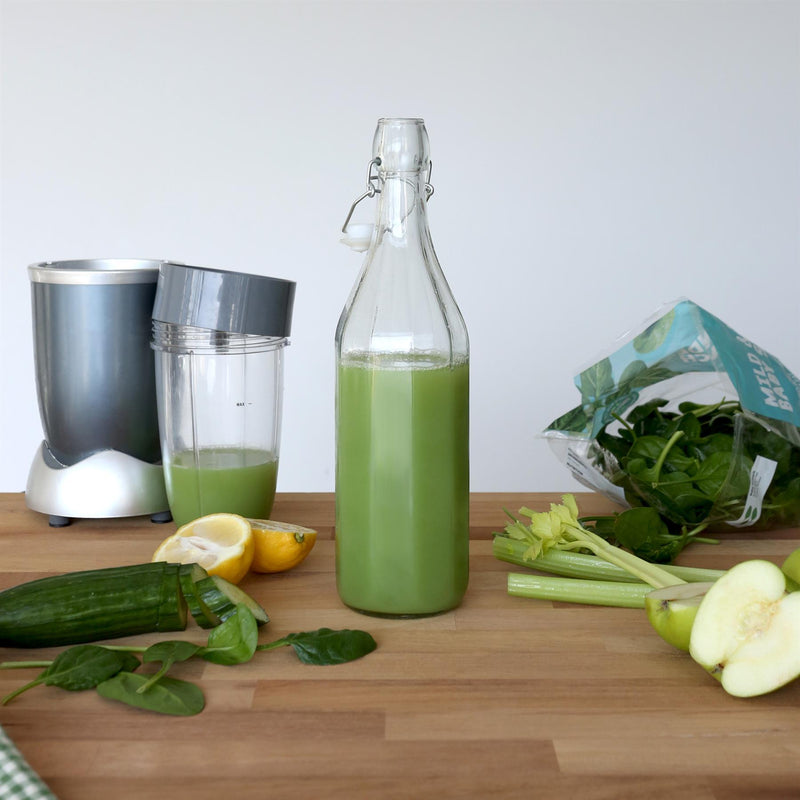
221, 300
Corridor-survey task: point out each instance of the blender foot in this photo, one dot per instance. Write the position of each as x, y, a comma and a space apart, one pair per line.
161, 517
59, 522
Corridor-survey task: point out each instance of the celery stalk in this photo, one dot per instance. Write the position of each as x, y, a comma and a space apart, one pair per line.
576, 590
572, 564
560, 529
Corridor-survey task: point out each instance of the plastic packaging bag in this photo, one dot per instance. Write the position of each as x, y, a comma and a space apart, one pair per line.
690, 418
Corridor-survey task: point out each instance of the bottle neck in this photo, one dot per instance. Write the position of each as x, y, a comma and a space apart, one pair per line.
401, 212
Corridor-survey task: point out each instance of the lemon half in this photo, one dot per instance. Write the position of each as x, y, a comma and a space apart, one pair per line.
223, 544
279, 546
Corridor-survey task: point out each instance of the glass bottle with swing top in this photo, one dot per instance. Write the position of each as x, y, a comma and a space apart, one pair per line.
402, 401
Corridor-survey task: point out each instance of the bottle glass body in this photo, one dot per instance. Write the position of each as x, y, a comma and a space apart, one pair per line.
402, 407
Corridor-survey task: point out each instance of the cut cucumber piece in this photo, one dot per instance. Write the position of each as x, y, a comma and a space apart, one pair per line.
173, 611
190, 576
222, 597
92, 605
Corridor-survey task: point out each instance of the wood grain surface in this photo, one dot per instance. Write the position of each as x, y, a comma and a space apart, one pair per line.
503, 697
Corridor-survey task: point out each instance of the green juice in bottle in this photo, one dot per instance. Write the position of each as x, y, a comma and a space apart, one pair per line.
402, 480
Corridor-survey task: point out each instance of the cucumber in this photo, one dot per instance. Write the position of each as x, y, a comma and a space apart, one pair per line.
173, 609
92, 605
190, 575
222, 597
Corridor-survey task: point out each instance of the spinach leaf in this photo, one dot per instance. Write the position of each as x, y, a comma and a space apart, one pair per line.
168, 696
636, 525
234, 641
689, 424
326, 646
655, 448
703, 446
647, 534
167, 653
712, 472
647, 447
690, 507
78, 668
641, 412
85, 665
602, 526
643, 532
171, 650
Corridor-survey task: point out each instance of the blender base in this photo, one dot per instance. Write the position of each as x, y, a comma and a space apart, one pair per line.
105, 485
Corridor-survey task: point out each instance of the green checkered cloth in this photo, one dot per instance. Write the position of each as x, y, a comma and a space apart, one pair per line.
17, 780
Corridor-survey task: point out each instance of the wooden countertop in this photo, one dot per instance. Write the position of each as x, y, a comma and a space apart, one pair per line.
504, 696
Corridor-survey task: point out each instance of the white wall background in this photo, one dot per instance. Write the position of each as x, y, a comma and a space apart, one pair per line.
592, 160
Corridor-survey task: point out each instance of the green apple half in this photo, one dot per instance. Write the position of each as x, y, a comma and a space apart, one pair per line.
672, 611
747, 630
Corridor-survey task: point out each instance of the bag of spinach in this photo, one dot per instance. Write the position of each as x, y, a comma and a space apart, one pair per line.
689, 419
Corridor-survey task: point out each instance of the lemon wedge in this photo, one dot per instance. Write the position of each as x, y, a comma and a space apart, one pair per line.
279, 546
223, 544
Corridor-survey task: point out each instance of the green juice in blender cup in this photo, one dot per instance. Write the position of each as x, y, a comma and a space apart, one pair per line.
402, 486
221, 480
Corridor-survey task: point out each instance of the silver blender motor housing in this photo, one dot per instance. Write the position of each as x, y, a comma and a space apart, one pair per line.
95, 380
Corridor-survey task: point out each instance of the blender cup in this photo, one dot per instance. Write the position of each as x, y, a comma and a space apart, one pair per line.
218, 338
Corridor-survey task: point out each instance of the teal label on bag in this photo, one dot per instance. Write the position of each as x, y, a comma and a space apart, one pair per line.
764, 385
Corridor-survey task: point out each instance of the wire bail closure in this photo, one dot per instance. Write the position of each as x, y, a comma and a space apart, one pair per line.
373, 187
